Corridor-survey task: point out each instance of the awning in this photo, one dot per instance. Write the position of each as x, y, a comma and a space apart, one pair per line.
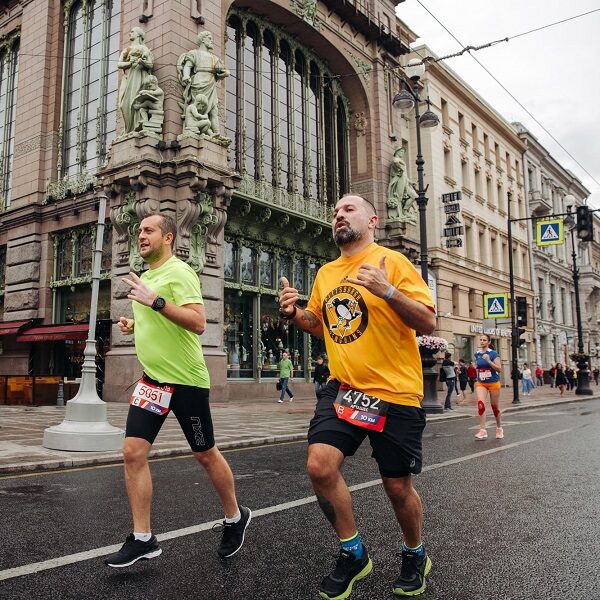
53, 333
12, 327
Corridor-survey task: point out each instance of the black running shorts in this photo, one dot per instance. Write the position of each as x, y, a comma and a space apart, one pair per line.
190, 406
397, 449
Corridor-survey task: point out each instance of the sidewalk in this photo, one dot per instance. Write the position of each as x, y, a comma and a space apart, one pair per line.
237, 424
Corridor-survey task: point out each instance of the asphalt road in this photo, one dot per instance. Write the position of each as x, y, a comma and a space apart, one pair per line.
511, 519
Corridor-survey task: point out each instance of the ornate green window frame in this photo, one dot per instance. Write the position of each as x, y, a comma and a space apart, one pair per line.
90, 85
73, 252
9, 76
287, 116
299, 267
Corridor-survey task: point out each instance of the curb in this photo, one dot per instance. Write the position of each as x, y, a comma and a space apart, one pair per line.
113, 458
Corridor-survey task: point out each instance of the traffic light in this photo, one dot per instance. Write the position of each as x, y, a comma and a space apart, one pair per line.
521, 311
585, 224
521, 319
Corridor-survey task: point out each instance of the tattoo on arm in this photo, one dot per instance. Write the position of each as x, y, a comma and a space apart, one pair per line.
327, 508
310, 320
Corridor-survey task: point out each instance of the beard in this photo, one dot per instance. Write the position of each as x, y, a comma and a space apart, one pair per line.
347, 235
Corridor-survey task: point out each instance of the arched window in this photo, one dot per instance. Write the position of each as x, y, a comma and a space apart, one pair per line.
286, 116
9, 75
90, 85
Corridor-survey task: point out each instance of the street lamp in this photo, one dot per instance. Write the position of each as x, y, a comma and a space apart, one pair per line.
583, 373
85, 427
405, 100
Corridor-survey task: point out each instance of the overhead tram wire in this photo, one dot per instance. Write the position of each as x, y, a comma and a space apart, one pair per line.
510, 93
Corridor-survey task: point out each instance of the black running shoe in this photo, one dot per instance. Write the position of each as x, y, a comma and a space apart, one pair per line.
134, 550
348, 569
233, 534
414, 570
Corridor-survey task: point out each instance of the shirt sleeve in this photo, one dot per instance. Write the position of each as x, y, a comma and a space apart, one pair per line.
185, 288
409, 281
314, 302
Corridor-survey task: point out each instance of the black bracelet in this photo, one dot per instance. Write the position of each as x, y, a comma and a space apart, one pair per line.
286, 316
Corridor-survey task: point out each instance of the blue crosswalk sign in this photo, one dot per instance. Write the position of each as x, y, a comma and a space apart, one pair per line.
550, 233
495, 306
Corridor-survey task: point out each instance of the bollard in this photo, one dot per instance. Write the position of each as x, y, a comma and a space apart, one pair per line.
60, 398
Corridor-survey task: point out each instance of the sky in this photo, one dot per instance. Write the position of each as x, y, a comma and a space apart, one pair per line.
554, 73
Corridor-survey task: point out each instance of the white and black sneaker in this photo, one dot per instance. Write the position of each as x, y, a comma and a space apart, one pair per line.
234, 533
134, 550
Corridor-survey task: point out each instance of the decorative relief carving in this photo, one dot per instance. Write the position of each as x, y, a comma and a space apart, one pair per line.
360, 124
363, 67
69, 186
45, 142
307, 10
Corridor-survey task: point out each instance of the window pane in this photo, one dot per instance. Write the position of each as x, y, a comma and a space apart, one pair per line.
248, 267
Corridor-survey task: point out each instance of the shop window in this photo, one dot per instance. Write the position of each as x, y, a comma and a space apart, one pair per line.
229, 261
238, 331
248, 265
266, 262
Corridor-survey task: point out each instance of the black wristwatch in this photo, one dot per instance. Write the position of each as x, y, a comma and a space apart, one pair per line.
159, 303
286, 316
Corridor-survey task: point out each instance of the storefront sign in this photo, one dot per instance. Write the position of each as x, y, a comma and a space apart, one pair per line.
493, 331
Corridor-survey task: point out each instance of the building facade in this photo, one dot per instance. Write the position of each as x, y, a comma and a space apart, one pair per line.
553, 190
303, 94
474, 166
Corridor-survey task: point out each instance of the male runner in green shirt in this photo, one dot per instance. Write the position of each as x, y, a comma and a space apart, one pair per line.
168, 318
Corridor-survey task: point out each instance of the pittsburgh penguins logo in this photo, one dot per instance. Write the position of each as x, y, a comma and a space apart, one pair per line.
345, 314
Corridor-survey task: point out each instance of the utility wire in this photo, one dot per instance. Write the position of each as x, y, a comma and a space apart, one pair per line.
512, 95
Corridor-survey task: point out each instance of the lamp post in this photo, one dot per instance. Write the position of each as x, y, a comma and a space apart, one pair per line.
405, 100
85, 427
583, 373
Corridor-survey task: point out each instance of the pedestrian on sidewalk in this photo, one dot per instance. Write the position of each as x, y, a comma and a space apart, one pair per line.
489, 366
367, 304
286, 374
472, 373
449, 369
560, 379
552, 376
571, 378
596, 375
527, 380
539, 376
463, 378
320, 375
169, 317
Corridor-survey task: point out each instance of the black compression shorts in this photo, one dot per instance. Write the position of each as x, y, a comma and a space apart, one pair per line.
189, 404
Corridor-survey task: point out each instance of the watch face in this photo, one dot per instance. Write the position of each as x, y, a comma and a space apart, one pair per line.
159, 303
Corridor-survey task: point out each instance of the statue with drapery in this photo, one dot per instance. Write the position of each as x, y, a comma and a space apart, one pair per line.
401, 194
137, 62
199, 71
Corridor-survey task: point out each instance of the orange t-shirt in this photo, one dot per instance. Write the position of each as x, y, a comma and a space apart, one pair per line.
368, 345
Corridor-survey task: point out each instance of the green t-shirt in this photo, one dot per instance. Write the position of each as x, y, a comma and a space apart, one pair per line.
169, 353
285, 368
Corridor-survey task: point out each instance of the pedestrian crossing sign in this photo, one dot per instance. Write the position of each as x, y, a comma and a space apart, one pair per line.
495, 306
550, 233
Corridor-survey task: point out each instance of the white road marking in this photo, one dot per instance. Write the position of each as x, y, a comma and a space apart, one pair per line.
70, 559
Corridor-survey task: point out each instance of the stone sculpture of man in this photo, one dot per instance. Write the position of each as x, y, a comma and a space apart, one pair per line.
401, 195
199, 71
137, 63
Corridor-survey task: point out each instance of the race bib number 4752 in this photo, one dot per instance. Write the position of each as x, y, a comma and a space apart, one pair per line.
360, 409
155, 398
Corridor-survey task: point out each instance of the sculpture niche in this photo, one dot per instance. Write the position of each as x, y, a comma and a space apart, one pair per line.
199, 71
401, 194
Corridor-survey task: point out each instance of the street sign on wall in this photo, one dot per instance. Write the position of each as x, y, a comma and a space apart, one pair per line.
495, 306
550, 233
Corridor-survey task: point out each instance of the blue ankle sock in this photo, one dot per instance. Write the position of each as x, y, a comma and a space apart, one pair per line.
419, 550
353, 545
